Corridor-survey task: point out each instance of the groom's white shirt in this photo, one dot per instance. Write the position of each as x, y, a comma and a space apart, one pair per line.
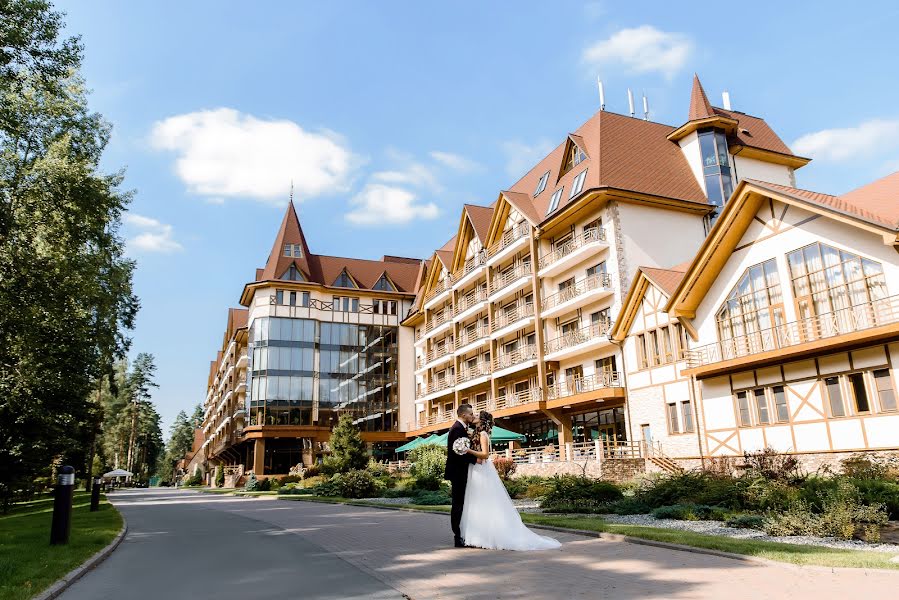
464, 424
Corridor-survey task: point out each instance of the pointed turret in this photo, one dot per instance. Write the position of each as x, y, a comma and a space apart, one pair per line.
290, 248
700, 107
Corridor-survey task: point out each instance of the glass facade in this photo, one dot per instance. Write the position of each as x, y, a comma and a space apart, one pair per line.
715, 166
307, 372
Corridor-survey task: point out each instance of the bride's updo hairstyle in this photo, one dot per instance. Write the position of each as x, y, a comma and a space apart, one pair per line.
486, 422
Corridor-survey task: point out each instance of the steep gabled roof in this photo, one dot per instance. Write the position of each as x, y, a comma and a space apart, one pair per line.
480, 219
666, 280
290, 232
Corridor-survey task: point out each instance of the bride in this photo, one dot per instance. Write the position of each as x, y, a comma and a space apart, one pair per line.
489, 519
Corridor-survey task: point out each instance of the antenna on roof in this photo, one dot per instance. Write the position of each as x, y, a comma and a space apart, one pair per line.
291, 191
602, 94
725, 99
630, 101
645, 107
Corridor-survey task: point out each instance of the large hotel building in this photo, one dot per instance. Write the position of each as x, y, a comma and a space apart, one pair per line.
646, 292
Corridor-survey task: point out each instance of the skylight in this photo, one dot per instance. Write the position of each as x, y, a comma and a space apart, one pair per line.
578, 184
554, 201
541, 185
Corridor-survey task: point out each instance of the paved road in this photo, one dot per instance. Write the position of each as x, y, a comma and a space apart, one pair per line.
219, 547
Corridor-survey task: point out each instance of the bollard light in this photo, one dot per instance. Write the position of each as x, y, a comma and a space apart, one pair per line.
62, 506
95, 495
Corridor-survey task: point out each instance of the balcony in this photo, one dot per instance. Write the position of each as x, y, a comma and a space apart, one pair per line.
508, 282
470, 304
240, 413
513, 240
471, 270
858, 325
241, 385
469, 376
583, 385
472, 338
511, 319
439, 387
437, 323
519, 398
242, 362
589, 289
429, 420
440, 354
522, 357
573, 251
575, 342
440, 291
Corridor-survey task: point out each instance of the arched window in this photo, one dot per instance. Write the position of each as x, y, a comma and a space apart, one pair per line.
754, 304
826, 280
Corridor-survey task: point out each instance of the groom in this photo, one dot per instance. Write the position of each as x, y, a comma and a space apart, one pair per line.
457, 468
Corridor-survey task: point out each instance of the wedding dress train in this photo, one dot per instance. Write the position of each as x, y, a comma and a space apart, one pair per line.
490, 520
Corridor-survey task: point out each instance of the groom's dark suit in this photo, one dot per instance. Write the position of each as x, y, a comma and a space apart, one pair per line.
457, 473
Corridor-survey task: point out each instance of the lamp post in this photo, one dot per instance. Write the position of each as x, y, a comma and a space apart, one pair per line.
62, 506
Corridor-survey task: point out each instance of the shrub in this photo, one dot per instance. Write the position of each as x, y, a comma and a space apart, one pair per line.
691, 488
376, 469
762, 494
220, 477
310, 472
505, 467
876, 491
292, 489
347, 448
536, 490
432, 498
251, 484
329, 487
690, 512
428, 461
841, 515
871, 466
572, 491
515, 488
291, 479
746, 522
770, 464
629, 506
357, 483
398, 493
264, 485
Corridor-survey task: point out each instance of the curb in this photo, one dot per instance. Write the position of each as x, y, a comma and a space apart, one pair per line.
78, 572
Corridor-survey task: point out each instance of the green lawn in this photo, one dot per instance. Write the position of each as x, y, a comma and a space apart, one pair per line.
28, 564
789, 553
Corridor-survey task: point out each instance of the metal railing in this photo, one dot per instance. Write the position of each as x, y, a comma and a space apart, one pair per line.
437, 290
506, 278
579, 451
470, 299
475, 262
576, 337
592, 235
469, 335
435, 353
509, 237
848, 320
580, 385
520, 355
438, 319
439, 386
507, 316
514, 399
598, 281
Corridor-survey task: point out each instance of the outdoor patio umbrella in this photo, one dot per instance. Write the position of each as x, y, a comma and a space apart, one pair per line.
118, 473
504, 435
414, 444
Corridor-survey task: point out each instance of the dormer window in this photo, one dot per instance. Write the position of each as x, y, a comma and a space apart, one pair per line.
541, 185
293, 250
384, 284
344, 280
578, 184
573, 157
293, 274
554, 201
715, 166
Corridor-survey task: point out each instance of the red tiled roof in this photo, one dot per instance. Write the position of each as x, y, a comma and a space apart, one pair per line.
666, 279
700, 107
446, 258
480, 217
876, 203
754, 132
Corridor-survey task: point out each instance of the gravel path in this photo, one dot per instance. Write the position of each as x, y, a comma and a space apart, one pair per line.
706, 527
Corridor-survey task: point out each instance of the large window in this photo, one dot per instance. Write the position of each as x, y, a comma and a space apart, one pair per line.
715, 166
885, 391
754, 304
578, 184
826, 280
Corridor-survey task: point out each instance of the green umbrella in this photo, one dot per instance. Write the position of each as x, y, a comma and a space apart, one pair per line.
413, 444
439, 439
504, 435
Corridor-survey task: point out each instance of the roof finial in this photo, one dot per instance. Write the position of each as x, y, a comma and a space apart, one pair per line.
291, 191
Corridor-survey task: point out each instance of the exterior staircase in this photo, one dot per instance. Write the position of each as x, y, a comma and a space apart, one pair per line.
654, 455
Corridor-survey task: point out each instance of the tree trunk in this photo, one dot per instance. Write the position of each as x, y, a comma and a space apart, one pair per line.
131, 439
90, 456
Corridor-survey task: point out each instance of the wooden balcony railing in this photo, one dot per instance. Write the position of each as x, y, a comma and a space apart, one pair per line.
580, 385
505, 278
848, 320
436, 320
599, 281
509, 237
520, 355
579, 336
593, 235
470, 299
507, 316
475, 262
436, 291
440, 351
439, 385
579, 451
479, 370
469, 335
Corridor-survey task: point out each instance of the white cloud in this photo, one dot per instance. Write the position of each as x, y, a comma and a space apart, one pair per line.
224, 153
871, 138
521, 157
379, 204
455, 161
643, 49
150, 235
413, 174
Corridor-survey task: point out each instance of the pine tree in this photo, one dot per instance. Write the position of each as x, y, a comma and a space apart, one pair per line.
347, 448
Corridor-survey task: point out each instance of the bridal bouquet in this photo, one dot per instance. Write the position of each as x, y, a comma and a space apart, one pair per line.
461, 445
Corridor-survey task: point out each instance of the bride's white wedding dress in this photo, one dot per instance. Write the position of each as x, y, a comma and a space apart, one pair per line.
490, 520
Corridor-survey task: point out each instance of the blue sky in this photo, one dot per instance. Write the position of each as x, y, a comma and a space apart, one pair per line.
388, 116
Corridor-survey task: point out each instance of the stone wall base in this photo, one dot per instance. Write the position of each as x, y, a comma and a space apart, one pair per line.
612, 469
